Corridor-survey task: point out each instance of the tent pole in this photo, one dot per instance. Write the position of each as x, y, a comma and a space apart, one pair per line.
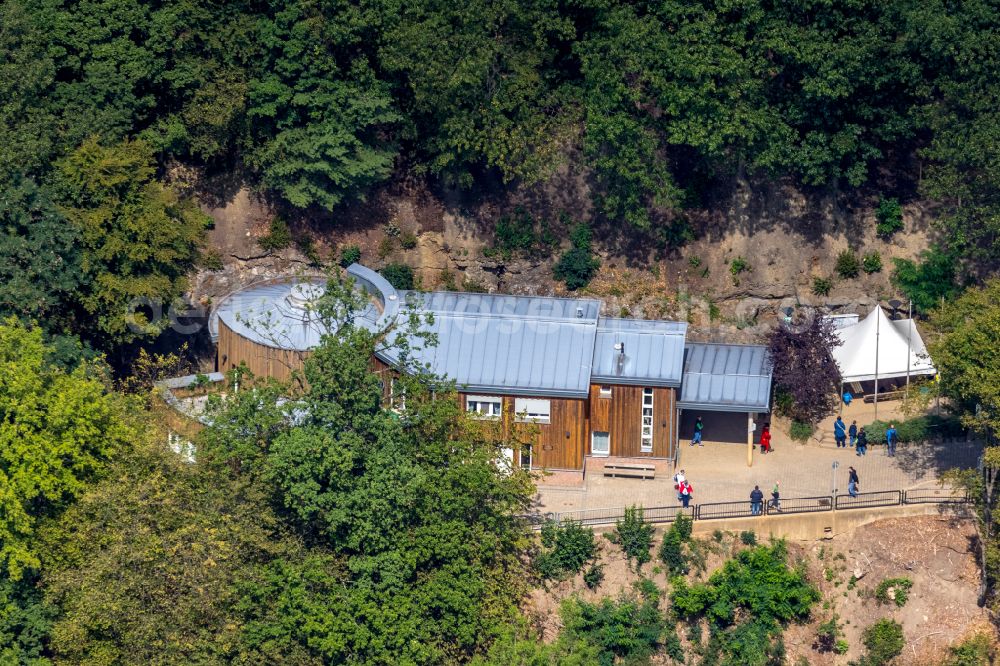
909, 334
878, 320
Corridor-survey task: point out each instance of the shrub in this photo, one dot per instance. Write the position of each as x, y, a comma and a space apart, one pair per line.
841, 646
593, 576
748, 538
386, 246
399, 276
307, 247
576, 267
738, 265
672, 552
894, 590
407, 240
888, 217
827, 634
211, 260
805, 369
278, 236
684, 524
977, 650
521, 234
628, 630
634, 535
848, 265
801, 431
567, 547
473, 286
822, 286
871, 262
917, 429
884, 641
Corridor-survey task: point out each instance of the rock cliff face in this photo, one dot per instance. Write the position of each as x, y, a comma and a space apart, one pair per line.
754, 252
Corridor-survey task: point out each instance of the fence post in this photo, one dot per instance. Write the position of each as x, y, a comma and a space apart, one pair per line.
696, 512
833, 502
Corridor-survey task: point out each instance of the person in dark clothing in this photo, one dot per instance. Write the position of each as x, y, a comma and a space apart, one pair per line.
698, 428
862, 447
756, 501
891, 438
775, 497
852, 433
852, 482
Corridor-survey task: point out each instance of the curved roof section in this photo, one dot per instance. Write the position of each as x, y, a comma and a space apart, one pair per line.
508, 345
730, 378
651, 352
274, 314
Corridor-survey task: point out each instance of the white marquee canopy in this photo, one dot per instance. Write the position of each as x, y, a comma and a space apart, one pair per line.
892, 342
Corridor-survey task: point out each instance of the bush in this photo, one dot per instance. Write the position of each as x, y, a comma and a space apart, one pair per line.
593, 576
350, 254
827, 634
672, 552
975, 651
928, 282
884, 641
888, 217
801, 431
738, 265
848, 265
871, 262
407, 240
399, 276
567, 547
805, 370
628, 630
634, 535
900, 588
521, 234
748, 538
211, 260
278, 236
684, 524
915, 430
822, 286
576, 267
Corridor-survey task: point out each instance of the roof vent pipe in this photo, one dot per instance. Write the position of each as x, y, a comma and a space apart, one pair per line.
620, 358
579, 313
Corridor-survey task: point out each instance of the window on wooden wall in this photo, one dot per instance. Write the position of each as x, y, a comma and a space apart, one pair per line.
646, 442
484, 406
397, 396
605, 392
532, 411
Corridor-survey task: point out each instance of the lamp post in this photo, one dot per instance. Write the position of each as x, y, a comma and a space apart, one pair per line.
878, 322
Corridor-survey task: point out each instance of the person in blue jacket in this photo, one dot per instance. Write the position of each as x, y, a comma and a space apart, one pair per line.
840, 432
891, 438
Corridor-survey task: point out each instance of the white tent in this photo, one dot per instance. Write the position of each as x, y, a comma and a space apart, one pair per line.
856, 354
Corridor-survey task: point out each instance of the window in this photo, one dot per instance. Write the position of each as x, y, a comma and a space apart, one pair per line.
526, 456
484, 406
600, 443
533, 411
605, 391
646, 441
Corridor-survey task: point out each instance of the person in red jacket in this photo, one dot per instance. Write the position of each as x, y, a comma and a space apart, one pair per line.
765, 440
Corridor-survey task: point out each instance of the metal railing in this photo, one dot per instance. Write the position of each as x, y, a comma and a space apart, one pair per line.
744, 509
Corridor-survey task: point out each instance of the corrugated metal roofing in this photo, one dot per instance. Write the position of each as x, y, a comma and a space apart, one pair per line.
653, 352
514, 345
726, 378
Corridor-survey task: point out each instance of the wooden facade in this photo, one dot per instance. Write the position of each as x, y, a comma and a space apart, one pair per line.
262, 360
620, 415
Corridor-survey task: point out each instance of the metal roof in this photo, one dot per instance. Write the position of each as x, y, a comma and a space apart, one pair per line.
273, 314
513, 345
733, 378
652, 353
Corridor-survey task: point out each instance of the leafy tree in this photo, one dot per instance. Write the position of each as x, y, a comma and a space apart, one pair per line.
40, 269
804, 368
634, 535
317, 108
966, 357
883, 641
672, 552
888, 217
577, 266
399, 276
139, 237
928, 282
568, 547
748, 601
57, 432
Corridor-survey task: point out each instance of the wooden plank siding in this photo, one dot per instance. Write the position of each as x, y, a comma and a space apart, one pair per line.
562, 442
621, 416
261, 360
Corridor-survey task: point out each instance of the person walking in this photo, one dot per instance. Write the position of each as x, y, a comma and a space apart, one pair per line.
840, 432
775, 497
891, 437
686, 491
862, 447
852, 432
756, 501
765, 439
698, 428
679, 480
852, 482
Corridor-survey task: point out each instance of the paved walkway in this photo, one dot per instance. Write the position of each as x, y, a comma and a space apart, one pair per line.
718, 473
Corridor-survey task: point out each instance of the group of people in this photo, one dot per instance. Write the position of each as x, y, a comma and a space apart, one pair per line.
858, 438
757, 500
683, 488
765, 436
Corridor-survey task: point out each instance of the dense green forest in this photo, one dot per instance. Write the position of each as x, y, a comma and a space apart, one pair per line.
352, 534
